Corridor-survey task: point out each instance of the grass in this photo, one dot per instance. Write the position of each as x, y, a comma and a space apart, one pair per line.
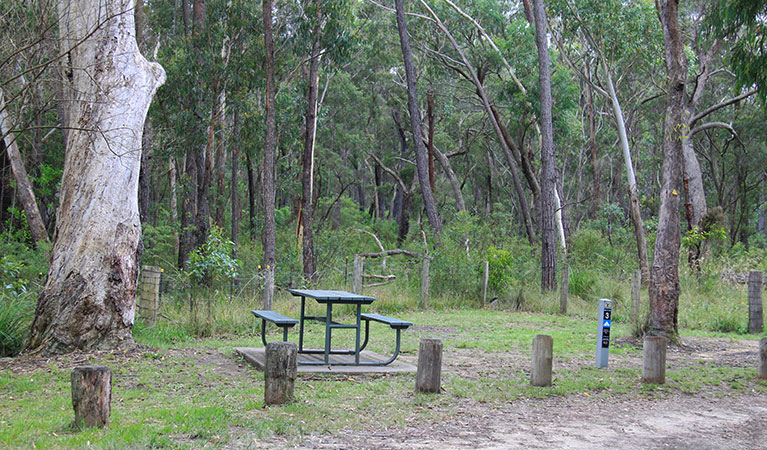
176, 394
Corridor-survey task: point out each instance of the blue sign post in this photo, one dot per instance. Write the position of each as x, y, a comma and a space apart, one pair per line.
603, 332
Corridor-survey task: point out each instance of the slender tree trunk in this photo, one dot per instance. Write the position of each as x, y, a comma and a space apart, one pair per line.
88, 301
270, 147
415, 121
307, 179
430, 118
236, 209
455, 184
634, 207
548, 156
25, 192
173, 202
252, 193
596, 195
664, 276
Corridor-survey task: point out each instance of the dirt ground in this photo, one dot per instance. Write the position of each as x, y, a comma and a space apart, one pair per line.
716, 418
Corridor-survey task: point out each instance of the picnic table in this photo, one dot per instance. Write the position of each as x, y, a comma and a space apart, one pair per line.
329, 299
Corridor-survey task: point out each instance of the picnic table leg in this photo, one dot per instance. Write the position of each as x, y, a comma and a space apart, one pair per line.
263, 331
301, 327
328, 321
357, 344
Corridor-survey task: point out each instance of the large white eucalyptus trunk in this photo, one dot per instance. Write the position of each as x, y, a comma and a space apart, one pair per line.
89, 298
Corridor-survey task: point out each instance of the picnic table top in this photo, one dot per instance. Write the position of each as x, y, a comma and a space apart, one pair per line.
323, 296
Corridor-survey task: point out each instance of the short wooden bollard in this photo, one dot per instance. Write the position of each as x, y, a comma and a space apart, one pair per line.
755, 318
654, 360
543, 351
427, 378
91, 395
279, 372
762, 372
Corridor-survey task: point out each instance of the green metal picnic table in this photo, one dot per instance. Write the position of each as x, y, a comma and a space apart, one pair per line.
329, 299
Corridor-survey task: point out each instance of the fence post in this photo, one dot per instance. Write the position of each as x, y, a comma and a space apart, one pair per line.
762, 371
543, 352
485, 278
357, 274
425, 283
755, 319
564, 286
149, 299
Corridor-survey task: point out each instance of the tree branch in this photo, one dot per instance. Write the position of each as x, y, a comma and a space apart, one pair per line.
719, 106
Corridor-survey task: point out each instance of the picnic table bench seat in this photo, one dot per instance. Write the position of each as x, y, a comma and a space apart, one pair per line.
396, 324
276, 318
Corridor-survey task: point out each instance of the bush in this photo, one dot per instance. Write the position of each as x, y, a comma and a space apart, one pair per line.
15, 316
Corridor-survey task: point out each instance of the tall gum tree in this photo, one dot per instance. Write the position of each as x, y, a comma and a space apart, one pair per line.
88, 301
664, 274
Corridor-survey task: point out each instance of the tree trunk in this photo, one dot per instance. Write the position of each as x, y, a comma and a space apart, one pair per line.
270, 146
236, 209
89, 298
634, 207
173, 202
307, 179
25, 192
548, 156
664, 276
415, 121
444, 161
430, 119
596, 194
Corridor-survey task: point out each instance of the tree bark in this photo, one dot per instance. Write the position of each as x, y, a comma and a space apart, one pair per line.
236, 209
596, 194
664, 276
25, 192
307, 179
89, 298
415, 121
270, 146
548, 155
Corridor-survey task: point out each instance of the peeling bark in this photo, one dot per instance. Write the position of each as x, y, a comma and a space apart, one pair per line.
88, 301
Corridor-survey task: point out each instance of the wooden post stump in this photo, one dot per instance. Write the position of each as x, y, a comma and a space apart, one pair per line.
91, 396
762, 372
654, 360
543, 352
427, 378
280, 372
485, 278
755, 318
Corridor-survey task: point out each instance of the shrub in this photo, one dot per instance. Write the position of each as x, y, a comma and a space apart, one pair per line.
15, 315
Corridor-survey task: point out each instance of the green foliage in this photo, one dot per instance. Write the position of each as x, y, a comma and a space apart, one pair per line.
501, 267
213, 261
15, 317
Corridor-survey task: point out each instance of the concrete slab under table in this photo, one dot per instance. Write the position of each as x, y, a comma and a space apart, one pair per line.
257, 357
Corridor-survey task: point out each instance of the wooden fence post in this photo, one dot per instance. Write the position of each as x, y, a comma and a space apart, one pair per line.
755, 319
279, 372
654, 360
91, 396
564, 285
149, 297
543, 351
762, 372
357, 274
636, 289
425, 283
485, 278
427, 378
